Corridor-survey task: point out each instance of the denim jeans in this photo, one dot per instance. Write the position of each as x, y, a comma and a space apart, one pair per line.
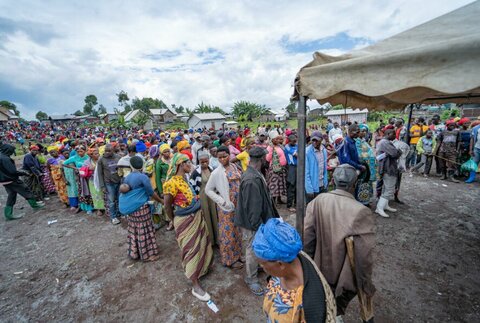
476, 154
112, 195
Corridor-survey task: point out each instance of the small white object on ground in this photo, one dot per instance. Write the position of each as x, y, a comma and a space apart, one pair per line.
52, 222
444, 185
18, 272
212, 306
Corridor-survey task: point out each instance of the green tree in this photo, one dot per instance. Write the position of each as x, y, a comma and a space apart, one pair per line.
189, 112
78, 113
141, 119
291, 108
102, 109
41, 116
123, 99
179, 109
338, 107
145, 104
10, 106
248, 109
207, 108
90, 103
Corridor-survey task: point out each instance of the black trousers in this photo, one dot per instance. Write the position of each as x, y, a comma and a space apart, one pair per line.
291, 185
17, 187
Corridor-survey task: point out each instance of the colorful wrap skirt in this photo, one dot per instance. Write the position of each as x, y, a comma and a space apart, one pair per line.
192, 238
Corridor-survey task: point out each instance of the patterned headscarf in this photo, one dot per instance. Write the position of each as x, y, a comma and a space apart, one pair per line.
52, 148
181, 145
164, 147
153, 151
177, 160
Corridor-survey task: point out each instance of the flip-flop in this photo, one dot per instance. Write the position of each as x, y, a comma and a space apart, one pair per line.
236, 265
256, 289
204, 298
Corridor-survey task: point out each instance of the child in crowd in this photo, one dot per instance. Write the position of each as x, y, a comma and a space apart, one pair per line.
425, 147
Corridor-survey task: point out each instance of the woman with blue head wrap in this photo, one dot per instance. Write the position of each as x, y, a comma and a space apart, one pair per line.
296, 291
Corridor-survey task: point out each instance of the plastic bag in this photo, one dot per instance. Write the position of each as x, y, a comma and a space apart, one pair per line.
469, 166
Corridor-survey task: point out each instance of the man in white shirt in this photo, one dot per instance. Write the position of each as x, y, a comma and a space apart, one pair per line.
335, 131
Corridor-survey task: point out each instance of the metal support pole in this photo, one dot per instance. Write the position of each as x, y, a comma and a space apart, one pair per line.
302, 127
409, 123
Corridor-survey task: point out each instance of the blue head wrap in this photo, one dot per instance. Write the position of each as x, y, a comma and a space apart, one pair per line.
277, 241
140, 147
363, 126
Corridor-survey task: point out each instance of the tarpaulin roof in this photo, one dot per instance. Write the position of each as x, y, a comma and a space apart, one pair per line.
436, 62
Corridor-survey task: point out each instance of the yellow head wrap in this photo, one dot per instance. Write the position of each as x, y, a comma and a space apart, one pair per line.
181, 145
164, 147
52, 148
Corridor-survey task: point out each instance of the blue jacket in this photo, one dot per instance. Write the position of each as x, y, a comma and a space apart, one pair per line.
312, 184
475, 134
348, 154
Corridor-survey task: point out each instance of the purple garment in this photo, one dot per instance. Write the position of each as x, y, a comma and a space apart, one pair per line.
55, 161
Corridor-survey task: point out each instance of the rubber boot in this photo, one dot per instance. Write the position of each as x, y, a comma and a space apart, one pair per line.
452, 178
8, 212
33, 203
390, 209
471, 178
380, 210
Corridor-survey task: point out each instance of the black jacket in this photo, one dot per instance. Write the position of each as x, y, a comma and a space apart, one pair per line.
255, 205
8, 170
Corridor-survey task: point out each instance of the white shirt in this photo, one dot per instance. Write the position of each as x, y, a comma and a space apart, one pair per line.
333, 132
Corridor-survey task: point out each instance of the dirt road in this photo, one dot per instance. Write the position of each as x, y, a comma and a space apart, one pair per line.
427, 267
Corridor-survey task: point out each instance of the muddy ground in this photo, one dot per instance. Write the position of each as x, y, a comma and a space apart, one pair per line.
427, 267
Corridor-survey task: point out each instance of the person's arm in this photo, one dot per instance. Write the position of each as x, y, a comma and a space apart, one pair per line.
345, 152
252, 200
471, 143
269, 154
420, 150
101, 178
211, 187
364, 243
158, 176
68, 163
168, 203
439, 143
308, 176
309, 232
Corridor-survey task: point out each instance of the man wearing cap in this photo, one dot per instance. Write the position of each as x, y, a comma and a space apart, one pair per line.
330, 219
197, 145
254, 207
316, 174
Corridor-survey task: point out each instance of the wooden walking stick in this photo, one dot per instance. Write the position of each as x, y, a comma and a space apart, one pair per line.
366, 303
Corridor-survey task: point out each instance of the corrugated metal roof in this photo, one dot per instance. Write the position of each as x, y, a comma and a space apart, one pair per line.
209, 116
345, 111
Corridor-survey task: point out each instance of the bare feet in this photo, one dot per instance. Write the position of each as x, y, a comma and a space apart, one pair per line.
170, 226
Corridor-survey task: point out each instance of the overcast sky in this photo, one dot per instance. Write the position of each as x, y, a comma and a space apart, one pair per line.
54, 53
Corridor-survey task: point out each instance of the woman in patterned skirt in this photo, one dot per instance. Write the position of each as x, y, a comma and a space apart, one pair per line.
83, 193
277, 174
98, 198
223, 187
54, 165
184, 209
136, 191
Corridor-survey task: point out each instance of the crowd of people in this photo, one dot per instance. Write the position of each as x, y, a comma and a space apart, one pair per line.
221, 190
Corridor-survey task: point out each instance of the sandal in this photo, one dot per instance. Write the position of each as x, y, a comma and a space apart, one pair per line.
170, 226
292, 209
256, 289
236, 265
152, 258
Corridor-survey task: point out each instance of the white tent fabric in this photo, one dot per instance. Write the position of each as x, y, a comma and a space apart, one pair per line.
436, 62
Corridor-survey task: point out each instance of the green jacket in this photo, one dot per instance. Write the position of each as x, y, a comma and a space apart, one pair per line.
161, 170
420, 149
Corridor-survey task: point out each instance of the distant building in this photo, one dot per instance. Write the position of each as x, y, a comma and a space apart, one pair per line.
344, 115
108, 117
7, 115
470, 110
162, 116
206, 120
267, 117
61, 118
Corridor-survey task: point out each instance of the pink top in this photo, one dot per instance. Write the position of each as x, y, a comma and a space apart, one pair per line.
280, 152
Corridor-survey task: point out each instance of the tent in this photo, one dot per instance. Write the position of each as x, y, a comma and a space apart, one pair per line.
436, 62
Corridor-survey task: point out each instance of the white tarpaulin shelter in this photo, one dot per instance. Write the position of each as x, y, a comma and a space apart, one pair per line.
436, 62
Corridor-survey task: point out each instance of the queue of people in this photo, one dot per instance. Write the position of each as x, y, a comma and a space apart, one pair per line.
223, 189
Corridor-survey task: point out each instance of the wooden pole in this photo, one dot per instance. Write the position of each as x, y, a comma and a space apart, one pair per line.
300, 198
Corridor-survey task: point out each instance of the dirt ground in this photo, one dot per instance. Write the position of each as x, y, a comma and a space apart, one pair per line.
427, 267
